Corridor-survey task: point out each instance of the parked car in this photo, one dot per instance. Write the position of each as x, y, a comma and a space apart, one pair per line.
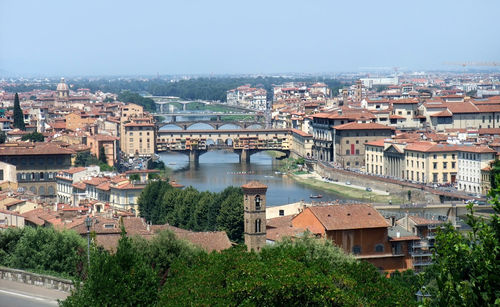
348, 183
368, 189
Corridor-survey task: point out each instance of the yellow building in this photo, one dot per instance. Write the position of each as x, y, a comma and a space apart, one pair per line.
427, 162
374, 157
137, 131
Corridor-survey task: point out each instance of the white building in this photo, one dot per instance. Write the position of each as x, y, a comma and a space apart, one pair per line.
65, 180
248, 97
471, 160
370, 82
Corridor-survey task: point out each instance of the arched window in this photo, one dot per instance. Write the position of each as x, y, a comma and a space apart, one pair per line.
257, 225
379, 248
257, 202
51, 190
41, 191
356, 250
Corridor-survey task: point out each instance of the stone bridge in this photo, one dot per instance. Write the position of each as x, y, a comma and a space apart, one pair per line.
216, 125
243, 142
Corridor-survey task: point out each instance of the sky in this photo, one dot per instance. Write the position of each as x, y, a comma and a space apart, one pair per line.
141, 37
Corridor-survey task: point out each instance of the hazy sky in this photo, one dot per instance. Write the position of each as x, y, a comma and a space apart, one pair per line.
95, 37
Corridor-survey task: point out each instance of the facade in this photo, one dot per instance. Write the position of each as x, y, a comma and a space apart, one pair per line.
357, 229
349, 142
108, 142
67, 178
248, 97
37, 165
473, 163
137, 132
8, 178
301, 144
254, 215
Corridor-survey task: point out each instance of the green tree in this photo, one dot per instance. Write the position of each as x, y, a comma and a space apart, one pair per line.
18, 114
84, 158
3, 137
43, 249
102, 155
495, 175
151, 198
120, 279
134, 177
33, 137
230, 217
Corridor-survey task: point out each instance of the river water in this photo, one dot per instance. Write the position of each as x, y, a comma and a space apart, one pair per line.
219, 169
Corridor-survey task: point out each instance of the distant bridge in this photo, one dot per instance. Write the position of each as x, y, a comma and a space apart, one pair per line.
243, 142
216, 125
218, 115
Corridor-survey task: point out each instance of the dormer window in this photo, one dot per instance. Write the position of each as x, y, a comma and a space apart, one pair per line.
257, 202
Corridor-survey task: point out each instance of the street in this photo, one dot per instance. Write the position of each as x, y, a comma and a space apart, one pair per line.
14, 294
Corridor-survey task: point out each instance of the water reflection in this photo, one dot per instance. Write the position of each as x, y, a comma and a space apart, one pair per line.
219, 169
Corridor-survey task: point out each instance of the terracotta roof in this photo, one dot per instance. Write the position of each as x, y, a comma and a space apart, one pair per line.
254, 185
343, 217
18, 149
362, 126
405, 101
491, 131
74, 170
476, 149
445, 113
79, 185
301, 133
395, 116
420, 221
378, 143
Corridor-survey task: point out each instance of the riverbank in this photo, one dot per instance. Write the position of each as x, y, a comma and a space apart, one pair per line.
311, 180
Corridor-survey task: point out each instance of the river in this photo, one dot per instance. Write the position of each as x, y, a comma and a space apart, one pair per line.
219, 169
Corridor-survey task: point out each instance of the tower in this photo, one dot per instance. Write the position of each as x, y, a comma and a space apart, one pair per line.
62, 90
254, 208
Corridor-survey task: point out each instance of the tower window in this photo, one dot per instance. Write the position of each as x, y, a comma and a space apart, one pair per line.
356, 250
257, 202
257, 225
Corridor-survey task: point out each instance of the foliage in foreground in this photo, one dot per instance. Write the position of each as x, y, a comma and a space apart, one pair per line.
307, 272
466, 267
44, 250
159, 203
133, 275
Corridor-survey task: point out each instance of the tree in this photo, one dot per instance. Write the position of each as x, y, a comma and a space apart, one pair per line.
3, 137
465, 270
134, 177
102, 155
84, 158
18, 114
33, 137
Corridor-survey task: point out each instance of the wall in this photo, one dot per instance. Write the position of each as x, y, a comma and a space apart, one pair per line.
417, 195
45, 281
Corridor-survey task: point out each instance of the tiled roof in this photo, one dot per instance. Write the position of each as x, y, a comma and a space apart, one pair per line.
74, 170
18, 149
301, 133
362, 126
378, 143
423, 221
254, 185
343, 217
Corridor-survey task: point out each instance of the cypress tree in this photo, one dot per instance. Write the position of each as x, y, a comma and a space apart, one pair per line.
18, 114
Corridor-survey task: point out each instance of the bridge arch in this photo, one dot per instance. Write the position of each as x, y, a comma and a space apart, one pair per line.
171, 127
200, 126
254, 126
230, 126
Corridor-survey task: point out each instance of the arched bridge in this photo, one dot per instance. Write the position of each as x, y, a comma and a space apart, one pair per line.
243, 142
216, 125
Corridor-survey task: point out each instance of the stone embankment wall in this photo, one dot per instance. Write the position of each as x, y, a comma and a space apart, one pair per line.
417, 194
49, 282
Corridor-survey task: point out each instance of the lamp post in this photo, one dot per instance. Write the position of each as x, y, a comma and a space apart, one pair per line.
88, 224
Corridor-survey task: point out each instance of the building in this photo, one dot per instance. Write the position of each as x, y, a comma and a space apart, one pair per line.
137, 132
248, 97
108, 142
37, 165
67, 178
349, 142
473, 162
358, 229
254, 215
302, 144
8, 178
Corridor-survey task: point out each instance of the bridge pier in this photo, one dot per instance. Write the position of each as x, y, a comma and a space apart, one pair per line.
174, 118
194, 157
218, 118
245, 156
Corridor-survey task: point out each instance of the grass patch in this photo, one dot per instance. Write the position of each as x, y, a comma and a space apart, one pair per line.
346, 192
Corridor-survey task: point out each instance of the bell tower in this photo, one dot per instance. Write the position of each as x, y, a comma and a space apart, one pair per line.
254, 208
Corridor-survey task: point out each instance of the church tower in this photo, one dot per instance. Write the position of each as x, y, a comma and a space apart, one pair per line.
62, 90
254, 208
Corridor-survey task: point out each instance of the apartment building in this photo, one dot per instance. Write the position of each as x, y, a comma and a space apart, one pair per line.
37, 165
349, 142
248, 97
473, 163
137, 132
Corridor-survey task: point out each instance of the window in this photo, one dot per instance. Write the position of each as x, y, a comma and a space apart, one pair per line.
257, 225
434, 177
445, 165
453, 156
257, 202
357, 151
445, 177
434, 165
356, 249
281, 212
435, 156
347, 151
444, 156
379, 248
453, 164
347, 141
